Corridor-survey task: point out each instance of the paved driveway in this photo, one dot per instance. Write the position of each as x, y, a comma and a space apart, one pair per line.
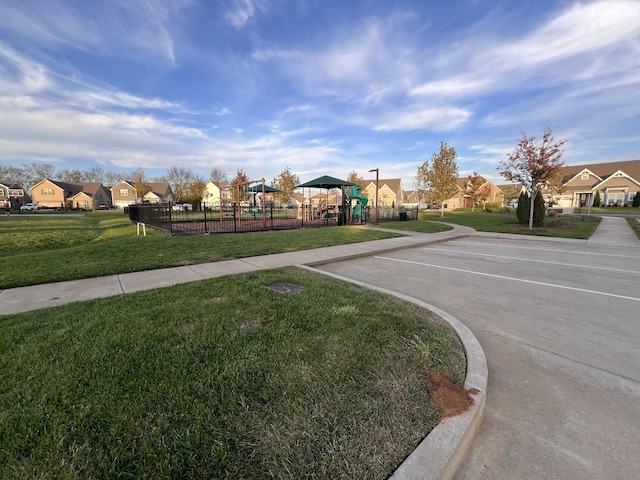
560, 326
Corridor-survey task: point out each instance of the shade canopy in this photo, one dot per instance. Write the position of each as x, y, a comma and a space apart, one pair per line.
258, 189
325, 182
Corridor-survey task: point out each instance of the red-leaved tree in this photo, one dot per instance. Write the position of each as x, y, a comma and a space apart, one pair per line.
534, 164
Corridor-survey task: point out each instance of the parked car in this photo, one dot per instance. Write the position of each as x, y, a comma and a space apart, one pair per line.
29, 207
181, 207
104, 206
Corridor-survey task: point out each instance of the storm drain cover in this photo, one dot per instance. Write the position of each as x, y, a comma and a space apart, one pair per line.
284, 287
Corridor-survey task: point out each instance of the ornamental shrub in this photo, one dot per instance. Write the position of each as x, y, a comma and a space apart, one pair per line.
636, 200
596, 199
522, 211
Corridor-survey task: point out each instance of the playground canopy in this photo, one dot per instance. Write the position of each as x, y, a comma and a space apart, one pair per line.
258, 189
325, 182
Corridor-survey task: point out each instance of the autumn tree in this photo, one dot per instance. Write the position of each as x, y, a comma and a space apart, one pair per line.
140, 182
286, 182
477, 190
70, 175
195, 190
534, 164
440, 175
356, 179
239, 194
180, 179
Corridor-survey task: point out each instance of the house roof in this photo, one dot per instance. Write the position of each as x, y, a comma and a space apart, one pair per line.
74, 188
159, 189
393, 183
603, 170
11, 184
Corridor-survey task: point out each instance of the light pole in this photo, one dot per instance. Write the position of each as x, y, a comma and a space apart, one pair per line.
376, 170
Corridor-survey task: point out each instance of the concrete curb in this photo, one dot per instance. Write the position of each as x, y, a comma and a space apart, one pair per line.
441, 453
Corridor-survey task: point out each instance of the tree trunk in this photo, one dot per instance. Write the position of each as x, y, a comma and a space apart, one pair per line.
532, 206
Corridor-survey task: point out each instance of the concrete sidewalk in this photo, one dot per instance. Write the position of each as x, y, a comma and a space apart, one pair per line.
23, 299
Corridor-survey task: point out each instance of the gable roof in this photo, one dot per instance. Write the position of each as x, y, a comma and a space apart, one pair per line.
602, 170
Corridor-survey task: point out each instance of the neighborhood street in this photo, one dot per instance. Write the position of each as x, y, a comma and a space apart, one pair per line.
559, 322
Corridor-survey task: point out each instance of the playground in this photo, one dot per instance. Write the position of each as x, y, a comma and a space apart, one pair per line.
258, 215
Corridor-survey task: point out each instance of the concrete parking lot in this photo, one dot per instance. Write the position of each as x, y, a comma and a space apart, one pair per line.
560, 325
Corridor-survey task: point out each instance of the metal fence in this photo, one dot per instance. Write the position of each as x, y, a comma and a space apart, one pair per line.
232, 218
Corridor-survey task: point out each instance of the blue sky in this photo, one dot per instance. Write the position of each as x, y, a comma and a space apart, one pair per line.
319, 86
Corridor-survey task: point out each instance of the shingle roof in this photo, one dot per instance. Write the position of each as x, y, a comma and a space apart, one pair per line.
604, 170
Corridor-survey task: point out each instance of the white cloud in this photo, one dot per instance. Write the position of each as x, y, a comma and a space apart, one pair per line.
436, 119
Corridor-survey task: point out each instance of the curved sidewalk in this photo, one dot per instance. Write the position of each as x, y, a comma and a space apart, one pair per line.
23, 299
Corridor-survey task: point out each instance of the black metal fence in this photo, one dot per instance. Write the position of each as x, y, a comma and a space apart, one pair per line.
232, 218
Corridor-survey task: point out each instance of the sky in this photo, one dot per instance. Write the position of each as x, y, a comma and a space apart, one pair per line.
322, 87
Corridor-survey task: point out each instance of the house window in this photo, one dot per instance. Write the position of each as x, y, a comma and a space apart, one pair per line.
124, 192
2, 194
47, 191
585, 176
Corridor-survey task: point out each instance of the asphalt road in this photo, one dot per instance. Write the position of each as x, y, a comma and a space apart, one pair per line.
560, 325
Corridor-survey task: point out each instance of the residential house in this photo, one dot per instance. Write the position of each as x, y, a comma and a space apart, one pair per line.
123, 194
616, 182
159, 193
12, 193
216, 194
54, 194
389, 192
415, 198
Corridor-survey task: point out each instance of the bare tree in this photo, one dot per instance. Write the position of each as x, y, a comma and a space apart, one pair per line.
441, 175
179, 178
285, 182
534, 164
36, 172
218, 175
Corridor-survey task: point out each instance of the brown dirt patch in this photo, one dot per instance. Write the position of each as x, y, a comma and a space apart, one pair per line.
448, 398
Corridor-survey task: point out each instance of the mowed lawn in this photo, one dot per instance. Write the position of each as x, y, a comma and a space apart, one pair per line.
53, 248
222, 378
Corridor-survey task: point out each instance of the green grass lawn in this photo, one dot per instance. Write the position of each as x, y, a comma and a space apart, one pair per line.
53, 248
635, 226
417, 226
565, 226
222, 378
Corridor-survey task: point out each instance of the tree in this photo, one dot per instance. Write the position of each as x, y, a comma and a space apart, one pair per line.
509, 194
596, 199
477, 190
180, 178
239, 194
286, 182
356, 179
73, 175
636, 200
441, 175
218, 175
522, 210
195, 191
534, 164
140, 183
36, 172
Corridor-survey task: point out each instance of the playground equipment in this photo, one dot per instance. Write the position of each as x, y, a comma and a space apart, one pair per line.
355, 192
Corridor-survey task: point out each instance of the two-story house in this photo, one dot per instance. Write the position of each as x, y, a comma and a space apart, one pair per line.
55, 194
11, 192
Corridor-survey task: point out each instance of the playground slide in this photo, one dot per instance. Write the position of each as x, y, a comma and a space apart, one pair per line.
356, 192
